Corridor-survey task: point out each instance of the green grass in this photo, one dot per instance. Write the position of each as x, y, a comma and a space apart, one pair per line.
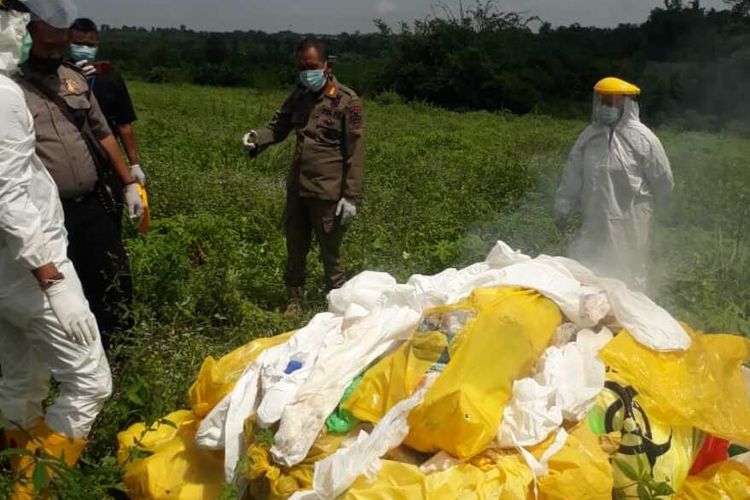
441, 187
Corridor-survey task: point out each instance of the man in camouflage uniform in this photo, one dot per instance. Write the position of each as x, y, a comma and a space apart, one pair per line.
325, 180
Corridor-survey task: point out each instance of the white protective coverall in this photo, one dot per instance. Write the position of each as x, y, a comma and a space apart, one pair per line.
615, 176
33, 342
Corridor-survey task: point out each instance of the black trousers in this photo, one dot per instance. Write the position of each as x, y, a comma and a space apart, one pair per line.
95, 247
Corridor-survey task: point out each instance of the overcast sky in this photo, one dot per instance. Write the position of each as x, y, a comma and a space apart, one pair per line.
335, 16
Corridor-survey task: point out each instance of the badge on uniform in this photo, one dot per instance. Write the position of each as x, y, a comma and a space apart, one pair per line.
71, 85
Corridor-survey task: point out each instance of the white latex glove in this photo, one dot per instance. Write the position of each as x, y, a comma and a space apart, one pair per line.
73, 312
87, 68
134, 203
346, 209
249, 141
138, 174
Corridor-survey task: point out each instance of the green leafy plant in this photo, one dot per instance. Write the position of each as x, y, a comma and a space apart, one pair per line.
647, 487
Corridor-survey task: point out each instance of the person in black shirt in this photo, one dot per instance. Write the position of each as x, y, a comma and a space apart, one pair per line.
110, 91
109, 88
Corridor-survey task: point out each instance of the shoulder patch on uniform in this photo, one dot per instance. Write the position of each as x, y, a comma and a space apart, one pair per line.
74, 75
355, 115
71, 85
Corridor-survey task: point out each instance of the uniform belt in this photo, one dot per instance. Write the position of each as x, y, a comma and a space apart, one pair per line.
78, 200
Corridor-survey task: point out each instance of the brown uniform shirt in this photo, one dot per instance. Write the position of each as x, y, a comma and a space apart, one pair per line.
329, 155
59, 143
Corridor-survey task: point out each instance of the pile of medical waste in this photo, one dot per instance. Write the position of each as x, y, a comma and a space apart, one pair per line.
512, 378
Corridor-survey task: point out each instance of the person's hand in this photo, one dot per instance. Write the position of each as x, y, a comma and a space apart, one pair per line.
88, 69
346, 210
250, 141
72, 310
138, 174
134, 203
561, 222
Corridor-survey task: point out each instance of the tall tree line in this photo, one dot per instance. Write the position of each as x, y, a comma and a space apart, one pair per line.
693, 64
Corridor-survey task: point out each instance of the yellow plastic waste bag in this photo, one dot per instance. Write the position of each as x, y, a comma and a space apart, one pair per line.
664, 452
176, 469
217, 378
727, 480
274, 482
579, 470
515, 475
395, 377
137, 437
462, 410
702, 387
398, 481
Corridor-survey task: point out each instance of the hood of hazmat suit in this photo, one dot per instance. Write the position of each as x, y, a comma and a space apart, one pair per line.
56, 13
33, 342
16, 15
32, 232
617, 172
12, 32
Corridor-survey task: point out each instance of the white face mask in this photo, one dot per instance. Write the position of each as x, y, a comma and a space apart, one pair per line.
12, 33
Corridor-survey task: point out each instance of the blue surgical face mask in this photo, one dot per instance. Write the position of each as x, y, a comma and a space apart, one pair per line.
608, 115
313, 79
25, 48
82, 52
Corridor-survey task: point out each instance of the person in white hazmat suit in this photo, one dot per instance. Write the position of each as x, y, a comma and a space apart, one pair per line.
617, 173
46, 326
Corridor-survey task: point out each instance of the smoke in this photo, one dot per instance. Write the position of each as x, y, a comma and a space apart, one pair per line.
700, 259
527, 224
698, 263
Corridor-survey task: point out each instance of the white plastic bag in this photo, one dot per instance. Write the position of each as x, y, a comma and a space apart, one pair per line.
439, 462
281, 378
575, 373
264, 385
502, 255
567, 382
242, 402
532, 413
360, 295
338, 364
649, 324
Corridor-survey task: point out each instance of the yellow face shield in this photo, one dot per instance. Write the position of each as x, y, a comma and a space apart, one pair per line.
615, 86
612, 97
